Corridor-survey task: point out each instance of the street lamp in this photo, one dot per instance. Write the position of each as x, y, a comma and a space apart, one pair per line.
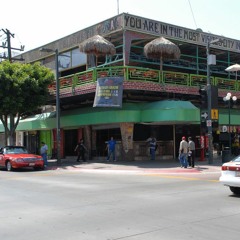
58, 133
229, 99
209, 94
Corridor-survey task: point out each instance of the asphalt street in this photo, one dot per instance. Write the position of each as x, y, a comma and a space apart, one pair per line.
122, 200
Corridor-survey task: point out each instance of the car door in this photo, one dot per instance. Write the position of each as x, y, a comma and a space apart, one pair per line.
1, 157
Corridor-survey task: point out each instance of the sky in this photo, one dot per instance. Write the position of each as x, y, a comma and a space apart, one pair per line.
35, 23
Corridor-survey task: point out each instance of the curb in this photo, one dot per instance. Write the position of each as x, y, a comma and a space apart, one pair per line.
135, 169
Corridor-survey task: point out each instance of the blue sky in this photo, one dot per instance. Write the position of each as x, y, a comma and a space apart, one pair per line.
36, 22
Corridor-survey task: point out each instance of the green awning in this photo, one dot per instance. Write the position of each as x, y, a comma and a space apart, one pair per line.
40, 121
162, 112
170, 111
130, 112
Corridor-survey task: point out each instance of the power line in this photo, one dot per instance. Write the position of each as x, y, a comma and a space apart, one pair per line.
7, 45
192, 14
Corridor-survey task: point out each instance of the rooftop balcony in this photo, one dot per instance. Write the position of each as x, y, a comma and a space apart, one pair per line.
168, 81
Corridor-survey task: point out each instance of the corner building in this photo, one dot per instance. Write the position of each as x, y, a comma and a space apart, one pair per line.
163, 104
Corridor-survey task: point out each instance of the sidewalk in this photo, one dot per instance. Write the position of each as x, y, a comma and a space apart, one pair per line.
160, 166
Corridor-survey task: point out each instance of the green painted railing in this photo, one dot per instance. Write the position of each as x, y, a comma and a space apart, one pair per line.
142, 74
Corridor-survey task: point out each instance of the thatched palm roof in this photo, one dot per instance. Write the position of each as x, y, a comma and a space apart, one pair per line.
97, 45
162, 48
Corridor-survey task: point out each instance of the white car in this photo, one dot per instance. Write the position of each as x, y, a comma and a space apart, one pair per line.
230, 175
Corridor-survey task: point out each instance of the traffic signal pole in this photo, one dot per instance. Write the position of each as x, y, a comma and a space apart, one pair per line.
209, 92
209, 122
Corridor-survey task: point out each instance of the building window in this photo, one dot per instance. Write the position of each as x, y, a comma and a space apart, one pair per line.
78, 58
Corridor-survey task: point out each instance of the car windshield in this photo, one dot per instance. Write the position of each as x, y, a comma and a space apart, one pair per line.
15, 150
236, 159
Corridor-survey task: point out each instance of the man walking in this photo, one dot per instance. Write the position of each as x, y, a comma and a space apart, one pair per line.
80, 149
191, 152
43, 152
111, 149
153, 148
183, 151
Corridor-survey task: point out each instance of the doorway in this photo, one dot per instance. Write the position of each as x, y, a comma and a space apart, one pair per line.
70, 139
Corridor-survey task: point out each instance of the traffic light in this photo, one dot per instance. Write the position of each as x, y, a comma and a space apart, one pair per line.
203, 97
214, 96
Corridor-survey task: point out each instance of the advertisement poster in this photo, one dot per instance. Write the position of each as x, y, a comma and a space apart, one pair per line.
109, 92
127, 135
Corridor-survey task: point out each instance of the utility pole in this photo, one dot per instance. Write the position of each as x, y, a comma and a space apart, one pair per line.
9, 57
7, 45
209, 94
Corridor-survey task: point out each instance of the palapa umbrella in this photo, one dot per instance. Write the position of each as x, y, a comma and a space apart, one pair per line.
97, 45
163, 49
233, 68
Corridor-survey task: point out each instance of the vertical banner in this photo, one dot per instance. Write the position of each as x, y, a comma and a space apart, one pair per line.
109, 92
127, 135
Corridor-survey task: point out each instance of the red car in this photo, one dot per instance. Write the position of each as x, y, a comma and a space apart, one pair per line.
12, 157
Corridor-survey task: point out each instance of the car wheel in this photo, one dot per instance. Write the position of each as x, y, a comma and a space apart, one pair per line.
38, 168
235, 190
9, 166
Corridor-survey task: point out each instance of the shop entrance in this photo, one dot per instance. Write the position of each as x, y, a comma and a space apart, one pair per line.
102, 136
70, 139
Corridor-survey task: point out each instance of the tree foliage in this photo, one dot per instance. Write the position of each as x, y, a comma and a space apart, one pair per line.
23, 89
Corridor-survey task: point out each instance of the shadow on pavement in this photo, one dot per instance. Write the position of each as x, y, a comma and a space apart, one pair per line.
131, 165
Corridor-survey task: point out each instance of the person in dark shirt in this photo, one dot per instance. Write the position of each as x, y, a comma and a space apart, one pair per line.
80, 149
191, 152
153, 148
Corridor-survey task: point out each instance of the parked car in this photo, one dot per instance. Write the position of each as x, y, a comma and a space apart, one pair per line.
230, 175
12, 157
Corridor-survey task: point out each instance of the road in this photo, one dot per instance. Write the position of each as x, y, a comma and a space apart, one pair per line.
73, 204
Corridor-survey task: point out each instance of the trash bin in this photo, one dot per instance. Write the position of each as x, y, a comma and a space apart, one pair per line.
226, 157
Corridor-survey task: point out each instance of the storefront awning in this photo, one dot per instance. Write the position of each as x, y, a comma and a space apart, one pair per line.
161, 112
130, 112
171, 112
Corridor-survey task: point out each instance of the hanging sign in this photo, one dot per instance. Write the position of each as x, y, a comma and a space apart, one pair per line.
109, 92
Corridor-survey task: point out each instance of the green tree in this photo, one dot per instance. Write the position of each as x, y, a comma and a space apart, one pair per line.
23, 89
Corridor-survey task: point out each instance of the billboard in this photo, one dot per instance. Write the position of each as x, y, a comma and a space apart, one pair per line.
109, 92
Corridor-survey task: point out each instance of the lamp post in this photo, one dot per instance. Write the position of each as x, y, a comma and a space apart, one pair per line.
58, 129
229, 99
209, 94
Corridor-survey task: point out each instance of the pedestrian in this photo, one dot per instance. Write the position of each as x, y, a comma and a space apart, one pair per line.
43, 152
183, 151
191, 152
111, 149
80, 149
153, 148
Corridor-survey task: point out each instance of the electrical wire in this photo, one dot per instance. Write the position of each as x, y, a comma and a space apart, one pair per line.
192, 14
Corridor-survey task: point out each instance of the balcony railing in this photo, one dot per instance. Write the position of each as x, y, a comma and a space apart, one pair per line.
69, 83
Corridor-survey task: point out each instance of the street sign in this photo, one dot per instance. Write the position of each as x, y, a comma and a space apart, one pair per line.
214, 114
209, 123
204, 115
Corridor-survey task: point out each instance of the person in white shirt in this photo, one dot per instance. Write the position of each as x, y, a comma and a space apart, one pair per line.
183, 152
